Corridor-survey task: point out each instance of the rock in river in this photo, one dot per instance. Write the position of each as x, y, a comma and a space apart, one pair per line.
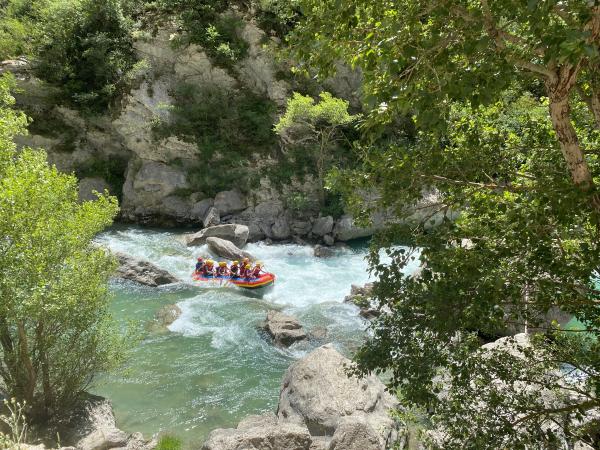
318, 392
168, 314
361, 296
284, 329
226, 249
141, 271
320, 408
260, 433
238, 234
323, 252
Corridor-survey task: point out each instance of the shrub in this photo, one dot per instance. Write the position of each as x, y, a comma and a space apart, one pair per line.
206, 23
87, 49
17, 425
317, 128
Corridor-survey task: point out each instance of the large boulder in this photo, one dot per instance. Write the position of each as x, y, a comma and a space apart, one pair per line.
168, 314
281, 229
148, 185
260, 433
346, 230
92, 426
320, 408
284, 329
322, 226
143, 272
89, 186
201, 208
237, 234
226, 249
230, 202
318, 392
355, 435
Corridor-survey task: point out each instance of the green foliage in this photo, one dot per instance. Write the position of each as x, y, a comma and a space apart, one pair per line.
17, 28
534, 247
303, 113
168, 442
505, 102
229, 128
112, 170
203, 22
86, 48
316, 128
277, 16
56, 331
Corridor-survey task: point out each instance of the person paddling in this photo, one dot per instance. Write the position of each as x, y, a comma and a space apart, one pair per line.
246, 271
222, 270
234, 270
199, 264
208, 269
257, 271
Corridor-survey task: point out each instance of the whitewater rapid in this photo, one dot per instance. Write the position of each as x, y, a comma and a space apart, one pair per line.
213, 367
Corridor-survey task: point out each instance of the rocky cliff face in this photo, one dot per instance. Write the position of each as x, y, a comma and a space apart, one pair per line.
156, 174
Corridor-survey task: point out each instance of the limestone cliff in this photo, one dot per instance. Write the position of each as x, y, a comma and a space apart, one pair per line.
140, 152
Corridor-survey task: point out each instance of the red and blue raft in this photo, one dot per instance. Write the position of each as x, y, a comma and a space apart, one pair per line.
266, 279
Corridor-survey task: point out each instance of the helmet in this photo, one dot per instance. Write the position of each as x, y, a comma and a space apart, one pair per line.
246, 259
235, 263
210, 262
248, 266
222, 264
200, 258
258, 264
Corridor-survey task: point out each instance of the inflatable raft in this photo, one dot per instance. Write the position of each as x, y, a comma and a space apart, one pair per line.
264, 280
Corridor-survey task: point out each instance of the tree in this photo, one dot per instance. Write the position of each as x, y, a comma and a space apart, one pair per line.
56, 332
87, 49
501, 94
315, 126
420, 54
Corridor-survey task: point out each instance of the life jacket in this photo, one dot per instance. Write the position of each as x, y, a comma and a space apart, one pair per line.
199, 266
256, 272
234, 270
206, 271
221, 271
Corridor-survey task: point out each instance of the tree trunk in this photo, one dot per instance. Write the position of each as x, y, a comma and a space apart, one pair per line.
30, 382
560, 113
45, 366
595, 107
8, 354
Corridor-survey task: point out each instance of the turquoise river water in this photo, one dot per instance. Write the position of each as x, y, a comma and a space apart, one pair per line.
212, 368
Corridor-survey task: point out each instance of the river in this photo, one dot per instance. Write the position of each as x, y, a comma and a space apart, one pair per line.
212, 368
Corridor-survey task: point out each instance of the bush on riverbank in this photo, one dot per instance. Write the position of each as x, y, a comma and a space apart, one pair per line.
55, 328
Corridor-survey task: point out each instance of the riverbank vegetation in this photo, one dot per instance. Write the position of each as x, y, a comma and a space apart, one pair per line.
56, 333
504, 96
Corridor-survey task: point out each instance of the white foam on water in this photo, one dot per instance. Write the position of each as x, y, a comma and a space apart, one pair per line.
303, 280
